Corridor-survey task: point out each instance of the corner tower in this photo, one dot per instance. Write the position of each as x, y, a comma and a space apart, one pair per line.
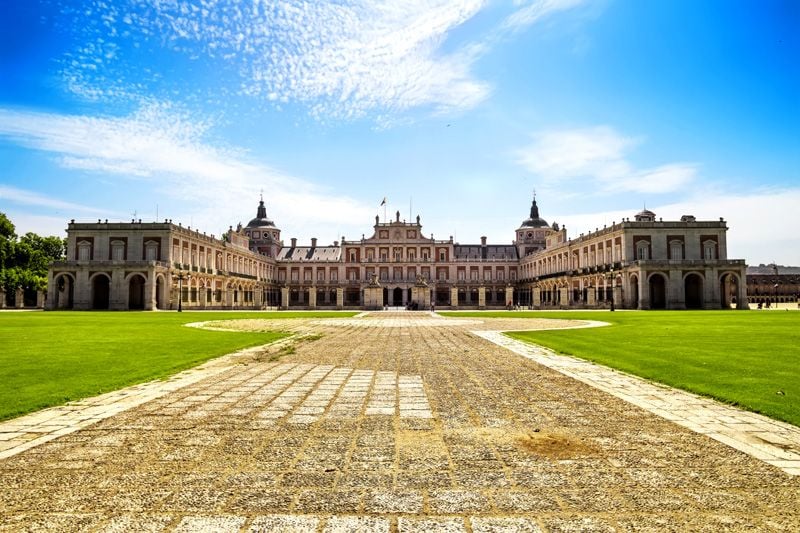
532, 233
265, 237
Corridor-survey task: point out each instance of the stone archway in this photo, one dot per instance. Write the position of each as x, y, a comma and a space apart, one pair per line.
101, 291
693, 291
160, 304
658, 291
136, 292
397, 296
65, 292
729, 290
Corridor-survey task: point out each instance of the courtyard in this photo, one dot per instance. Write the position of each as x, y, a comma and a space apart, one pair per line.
385, 422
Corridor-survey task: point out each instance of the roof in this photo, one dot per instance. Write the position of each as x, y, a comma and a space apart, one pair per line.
534, 221
769, 270
495, 252
310, 253
261, 220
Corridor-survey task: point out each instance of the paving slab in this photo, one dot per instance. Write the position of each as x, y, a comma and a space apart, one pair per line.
405, 424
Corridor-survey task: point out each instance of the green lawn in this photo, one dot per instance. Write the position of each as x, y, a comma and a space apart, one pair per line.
747, 358
50, 358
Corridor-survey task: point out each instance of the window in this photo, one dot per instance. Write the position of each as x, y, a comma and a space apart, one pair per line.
642, 250
425, 255
501, 275
442, 255
473, 275
352, 256
84, 251
151, 251
334, 275
709, 250
676, 250
442, 275
412, 256
117, 251
461, 275
256, 235
320, 275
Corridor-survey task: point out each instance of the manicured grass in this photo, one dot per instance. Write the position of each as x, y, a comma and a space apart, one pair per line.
50, 358
747, 358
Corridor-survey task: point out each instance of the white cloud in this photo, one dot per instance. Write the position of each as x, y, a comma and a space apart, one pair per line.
161, 147
598, 155
341, 59
30, 198
534, 10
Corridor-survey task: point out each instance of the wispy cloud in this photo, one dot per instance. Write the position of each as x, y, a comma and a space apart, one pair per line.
339, 59
599, 155
171, 152
14, 195
531, 11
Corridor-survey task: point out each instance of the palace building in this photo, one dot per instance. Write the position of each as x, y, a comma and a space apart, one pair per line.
642, 263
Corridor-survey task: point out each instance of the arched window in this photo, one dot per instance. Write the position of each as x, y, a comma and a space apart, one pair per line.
642, 250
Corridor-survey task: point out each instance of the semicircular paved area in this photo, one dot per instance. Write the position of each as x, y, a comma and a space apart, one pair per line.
404, 425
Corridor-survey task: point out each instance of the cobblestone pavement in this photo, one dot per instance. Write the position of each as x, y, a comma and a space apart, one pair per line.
398, 423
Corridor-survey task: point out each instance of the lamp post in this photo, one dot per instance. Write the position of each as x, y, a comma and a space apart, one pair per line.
613, 280
777, 282
181, 277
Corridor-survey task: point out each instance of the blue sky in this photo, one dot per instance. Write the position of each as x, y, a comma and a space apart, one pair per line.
455, 110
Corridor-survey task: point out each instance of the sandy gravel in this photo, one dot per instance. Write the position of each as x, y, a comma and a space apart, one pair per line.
394, 423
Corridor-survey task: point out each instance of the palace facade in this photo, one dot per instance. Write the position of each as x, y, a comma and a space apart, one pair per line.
636, 264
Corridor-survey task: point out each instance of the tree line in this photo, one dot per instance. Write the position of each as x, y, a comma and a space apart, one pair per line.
24, 260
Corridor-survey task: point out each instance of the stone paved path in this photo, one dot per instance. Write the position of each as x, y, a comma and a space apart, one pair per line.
391, 424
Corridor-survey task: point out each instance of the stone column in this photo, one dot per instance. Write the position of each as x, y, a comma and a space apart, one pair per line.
118, 295
83, 290
564, 296
454, 297
591, 296
40, 299
481, 297
285, 297
52, 290
339, 298
676, 296
644, 291
312, 297
150, 303
616, 294
20, 298
509, 295
711, 292
536, 297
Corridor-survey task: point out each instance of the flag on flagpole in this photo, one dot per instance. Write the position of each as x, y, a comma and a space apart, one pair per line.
384, 201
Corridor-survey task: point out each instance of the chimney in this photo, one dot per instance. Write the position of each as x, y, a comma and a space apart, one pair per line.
483, 241
294, 242
313, 242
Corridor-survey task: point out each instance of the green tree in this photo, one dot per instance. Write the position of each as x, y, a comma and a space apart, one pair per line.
24, 261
